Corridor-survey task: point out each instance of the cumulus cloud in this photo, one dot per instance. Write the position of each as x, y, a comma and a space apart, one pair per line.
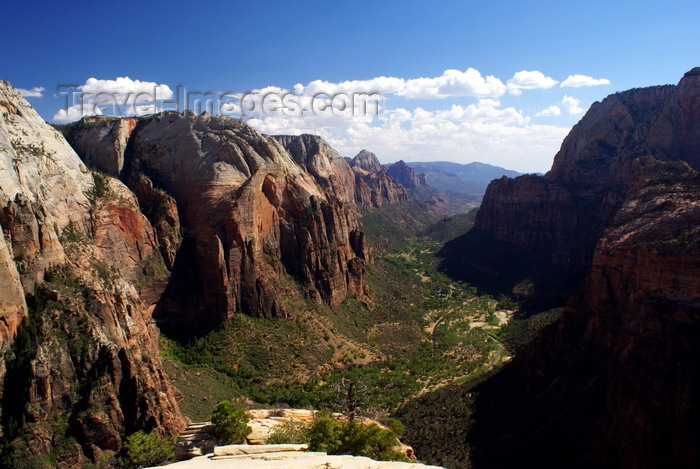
452, 83
529, 80
481, 131
484, 130
36, 92
574, 81
552, 110
122, 96
572, 105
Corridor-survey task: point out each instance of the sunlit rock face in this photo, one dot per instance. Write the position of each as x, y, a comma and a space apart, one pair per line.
561, 216
81, 365
251, 207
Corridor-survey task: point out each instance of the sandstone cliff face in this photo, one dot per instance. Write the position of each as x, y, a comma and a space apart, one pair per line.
407, 176
330, 170
563, 214
361, 182
81, 365
42, 187
641, 311
103, 142
373, 185
616, 383
367, 161
252, 210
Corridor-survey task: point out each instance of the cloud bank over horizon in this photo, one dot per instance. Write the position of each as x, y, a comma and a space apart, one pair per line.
459, 116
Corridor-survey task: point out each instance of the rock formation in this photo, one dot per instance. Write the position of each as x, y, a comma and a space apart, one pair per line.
81, 365
373, 186
406, 175
553, 222
253, 208
360, 182
419, 189
615, 383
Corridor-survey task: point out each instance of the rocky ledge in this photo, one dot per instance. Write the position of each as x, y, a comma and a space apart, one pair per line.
197, 439
285, 456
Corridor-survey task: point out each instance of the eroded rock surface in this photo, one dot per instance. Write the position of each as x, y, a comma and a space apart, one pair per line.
615, 383
554, 222
253, 208
81, 366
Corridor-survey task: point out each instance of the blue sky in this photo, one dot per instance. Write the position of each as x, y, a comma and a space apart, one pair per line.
495, 75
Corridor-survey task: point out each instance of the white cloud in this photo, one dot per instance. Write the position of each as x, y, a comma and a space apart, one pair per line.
481, 131
552, 110
36, 92
529, 80
574, 81
451, 83
454, 83
572, 105
122, 96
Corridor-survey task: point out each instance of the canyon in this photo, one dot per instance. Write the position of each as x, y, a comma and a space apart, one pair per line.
614, 382
81, 363
193, 226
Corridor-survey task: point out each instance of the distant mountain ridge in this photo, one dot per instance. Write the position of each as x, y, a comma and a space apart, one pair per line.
470, 179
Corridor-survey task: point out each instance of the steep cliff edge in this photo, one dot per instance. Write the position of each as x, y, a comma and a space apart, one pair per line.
616, 383
251, 210
373, 185
406, 175
80, 365
551, 224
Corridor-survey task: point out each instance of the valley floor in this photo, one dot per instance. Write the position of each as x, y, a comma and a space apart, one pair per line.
417, 334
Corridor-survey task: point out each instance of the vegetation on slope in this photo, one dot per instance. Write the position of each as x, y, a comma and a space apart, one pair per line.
417, 330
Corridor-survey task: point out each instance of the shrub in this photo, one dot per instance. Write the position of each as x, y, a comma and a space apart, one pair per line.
344, 437
395, 426
230, 422
290, 432
147, 449
99, 189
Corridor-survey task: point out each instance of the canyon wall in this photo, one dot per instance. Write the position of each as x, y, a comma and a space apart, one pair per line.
81, 366
615, 382
252, 208
553, 222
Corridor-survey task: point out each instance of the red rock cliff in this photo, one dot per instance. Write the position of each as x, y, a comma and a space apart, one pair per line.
562, 215
616, 382
250, 209
81, 366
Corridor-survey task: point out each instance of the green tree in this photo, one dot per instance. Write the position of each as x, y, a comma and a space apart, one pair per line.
143, 449
351, 437
395, 426
230, 422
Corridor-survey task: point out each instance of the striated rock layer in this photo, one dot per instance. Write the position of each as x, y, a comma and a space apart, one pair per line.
81, 365
554, 222
374, 186
253, 207
616, 383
